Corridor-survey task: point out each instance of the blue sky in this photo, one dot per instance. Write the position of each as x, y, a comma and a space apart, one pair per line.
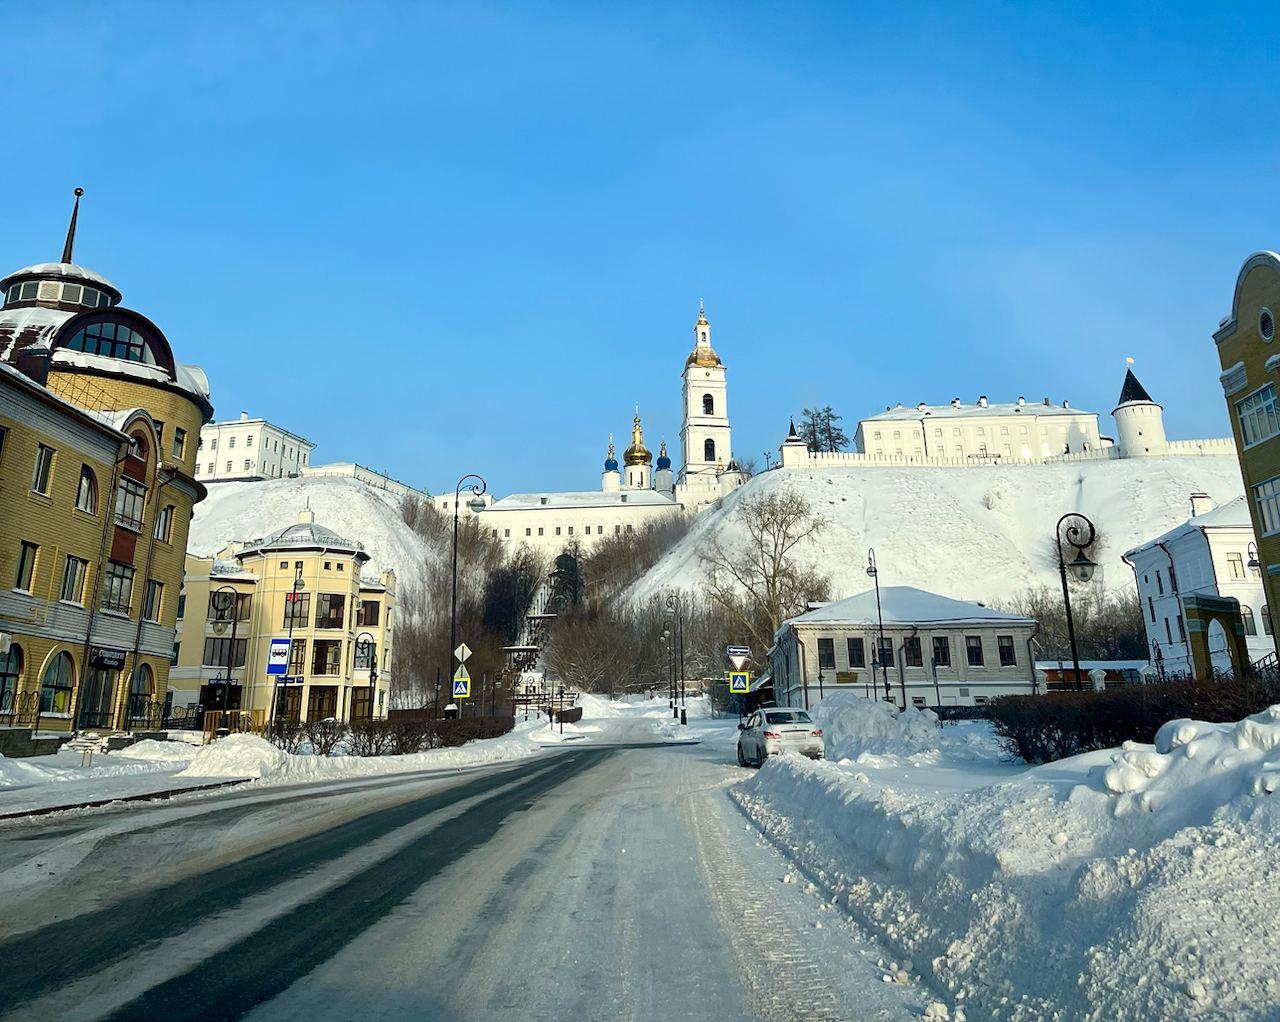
441, 238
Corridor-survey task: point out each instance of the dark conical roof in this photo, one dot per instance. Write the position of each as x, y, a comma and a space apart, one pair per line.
1133, 390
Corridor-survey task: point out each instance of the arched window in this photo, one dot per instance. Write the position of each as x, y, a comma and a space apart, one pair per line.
1250, 624
87, 494
708, 405
114, 340
10, 673
141, 691
709, 451
55, 688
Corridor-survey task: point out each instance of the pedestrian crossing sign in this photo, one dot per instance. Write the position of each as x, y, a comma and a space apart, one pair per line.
739, 683
462, 683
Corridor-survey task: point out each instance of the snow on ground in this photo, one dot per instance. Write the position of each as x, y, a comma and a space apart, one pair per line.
1129, 884
930, 525
65, 766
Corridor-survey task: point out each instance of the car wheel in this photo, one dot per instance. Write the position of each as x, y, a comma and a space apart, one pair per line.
742, 760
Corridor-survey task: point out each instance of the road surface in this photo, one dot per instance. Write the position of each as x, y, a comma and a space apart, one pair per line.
589, 883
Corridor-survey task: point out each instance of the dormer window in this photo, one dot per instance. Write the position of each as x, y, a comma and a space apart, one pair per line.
113, 340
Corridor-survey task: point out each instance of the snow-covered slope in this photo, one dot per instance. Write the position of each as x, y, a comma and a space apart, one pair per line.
249, 510
978, 533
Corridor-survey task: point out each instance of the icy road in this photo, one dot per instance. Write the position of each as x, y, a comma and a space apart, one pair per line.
591, 883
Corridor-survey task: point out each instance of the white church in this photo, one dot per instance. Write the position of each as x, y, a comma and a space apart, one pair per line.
640, 490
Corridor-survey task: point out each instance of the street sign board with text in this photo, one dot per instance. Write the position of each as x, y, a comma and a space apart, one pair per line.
278, 657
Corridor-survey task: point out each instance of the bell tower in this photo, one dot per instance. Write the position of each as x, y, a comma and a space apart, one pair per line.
704, 433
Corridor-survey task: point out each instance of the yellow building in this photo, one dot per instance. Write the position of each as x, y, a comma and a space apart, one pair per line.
1250, 360
93, 518
302, 585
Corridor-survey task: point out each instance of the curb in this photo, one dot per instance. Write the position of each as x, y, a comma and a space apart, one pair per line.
150, 796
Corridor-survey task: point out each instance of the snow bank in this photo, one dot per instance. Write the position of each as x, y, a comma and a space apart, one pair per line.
64, 767
853, 726
153, 751
1133, 884
254, 757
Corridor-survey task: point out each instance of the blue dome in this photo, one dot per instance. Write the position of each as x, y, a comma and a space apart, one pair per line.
611, 464
663, 462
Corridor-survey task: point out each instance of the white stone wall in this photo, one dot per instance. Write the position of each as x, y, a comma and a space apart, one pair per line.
982, 435
552, 528
249, 449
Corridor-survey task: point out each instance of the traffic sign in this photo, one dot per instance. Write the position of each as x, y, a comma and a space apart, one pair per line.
738, 650
278, 657
462, 683
738, 661
463, 652
739, 683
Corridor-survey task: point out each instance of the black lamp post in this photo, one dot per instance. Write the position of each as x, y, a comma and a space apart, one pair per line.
1253, 564
477, 505
674, 607
879, 659
1079, 534
365, 646
228, 602
1159, 658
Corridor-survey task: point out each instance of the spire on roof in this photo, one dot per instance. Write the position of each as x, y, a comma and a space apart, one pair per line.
702, 314
1133, 390
71, 228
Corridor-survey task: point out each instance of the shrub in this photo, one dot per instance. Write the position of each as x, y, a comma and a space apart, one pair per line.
1060, 724
287, 734
324, 735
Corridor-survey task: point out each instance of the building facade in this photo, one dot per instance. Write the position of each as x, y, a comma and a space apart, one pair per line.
247, 448
303, 584
936, 652
96, 497
1250, 359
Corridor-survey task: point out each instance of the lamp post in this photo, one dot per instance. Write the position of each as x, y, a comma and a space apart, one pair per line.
477, 505
1079, 534
228, 602
366, 646
1253, 564
874, 572
1159, 659
675, 608
291, 599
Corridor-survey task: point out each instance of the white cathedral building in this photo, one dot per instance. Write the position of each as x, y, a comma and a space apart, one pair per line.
640, 490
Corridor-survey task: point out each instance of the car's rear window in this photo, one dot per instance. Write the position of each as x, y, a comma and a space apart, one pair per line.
787, 717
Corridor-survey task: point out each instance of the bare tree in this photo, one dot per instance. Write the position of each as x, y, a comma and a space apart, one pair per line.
761, 582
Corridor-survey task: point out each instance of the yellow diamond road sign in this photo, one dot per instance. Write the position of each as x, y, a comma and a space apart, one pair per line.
462, 683
739, 682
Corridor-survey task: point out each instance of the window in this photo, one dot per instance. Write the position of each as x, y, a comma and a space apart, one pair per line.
141, 689
297, 609
248, 465
179, 442
1182, 629
709, 451
1235, 565
164, 523
43, 469
369, 614
182, 606
528, 531
173, 657
298, 658
366, 655
1266, 325
1258, 416
326, 656
886, 652
539, 530
228, 466
918, 702
3, 433
557, 530
152, 600
159, 428
117, 587
857, 650
1173, 580
218, 652
26, 566
912, 656
341, 566
220, 606
941, 651
331, 610
1266, 620
248, 441
826, 654
55, 688
73, 574
87, 493
708, 405
10, 673
130, 498
570, 530
897, 434
1250, 623
231, 442
113, 340
1151, 609
1004, 644
1159, 583
973, 647
1168, 632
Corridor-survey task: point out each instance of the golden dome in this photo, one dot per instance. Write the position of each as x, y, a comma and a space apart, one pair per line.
703, 355
637, 453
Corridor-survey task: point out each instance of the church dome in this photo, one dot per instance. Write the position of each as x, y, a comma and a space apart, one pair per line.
611, 463
703, 355
637, 453
663, 461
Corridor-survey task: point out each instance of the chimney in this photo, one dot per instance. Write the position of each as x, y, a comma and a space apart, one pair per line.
955, 402
33, 363
1201, 503
1046, 402
1066, 403
306, 516
1021, 400
244, 416
982, 401
921, 407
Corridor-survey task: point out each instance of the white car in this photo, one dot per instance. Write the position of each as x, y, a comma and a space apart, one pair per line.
776, 729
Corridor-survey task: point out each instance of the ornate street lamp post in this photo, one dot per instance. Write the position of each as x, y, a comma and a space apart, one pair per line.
366, 647
226, 600
1079, 533
675, 608
879, 659
477, 505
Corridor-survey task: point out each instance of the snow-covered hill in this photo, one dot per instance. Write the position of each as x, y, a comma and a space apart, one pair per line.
249, 510
980, 533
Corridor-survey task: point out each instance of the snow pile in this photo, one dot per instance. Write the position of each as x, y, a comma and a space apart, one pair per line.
563, 732
65, 767
253, 757
853, 726
1132, 884
930, 525
154, 751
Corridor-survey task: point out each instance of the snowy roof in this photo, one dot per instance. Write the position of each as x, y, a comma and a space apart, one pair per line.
915, 412
71, 271
304, 536
231, 570
586, 498
903, 605
1234, 514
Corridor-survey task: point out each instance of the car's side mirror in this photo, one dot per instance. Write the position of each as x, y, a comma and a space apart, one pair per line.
742, 725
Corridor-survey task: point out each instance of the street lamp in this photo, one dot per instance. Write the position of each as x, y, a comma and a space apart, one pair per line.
1079, 535
477, 505
674, 607
1253, 564
366, 647
226, 601
878, 659
1159, 659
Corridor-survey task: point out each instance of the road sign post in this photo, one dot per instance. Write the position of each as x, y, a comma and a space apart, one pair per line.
462, 683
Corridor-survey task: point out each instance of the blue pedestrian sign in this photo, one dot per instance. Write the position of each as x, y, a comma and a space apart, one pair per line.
278, 657
739, 682
462, 683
